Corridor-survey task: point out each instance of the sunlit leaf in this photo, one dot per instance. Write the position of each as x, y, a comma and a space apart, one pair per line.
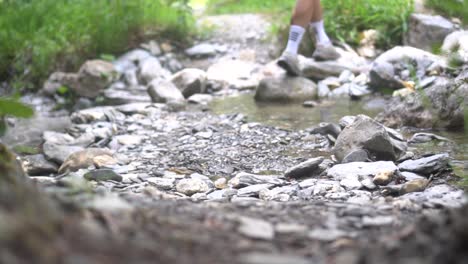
15, 108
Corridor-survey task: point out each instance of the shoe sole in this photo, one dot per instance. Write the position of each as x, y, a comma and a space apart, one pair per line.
287, 67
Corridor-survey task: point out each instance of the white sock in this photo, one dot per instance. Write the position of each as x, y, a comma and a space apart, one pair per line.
295, 38
320, 34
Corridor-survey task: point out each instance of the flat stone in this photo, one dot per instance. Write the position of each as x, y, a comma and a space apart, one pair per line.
409, 176
290, 228
269, 258
327, 235
36, 165
253, 190
244, 179
360, 169
309, 168
103, 175
377, 221
426, 166
351, 183
256, 228
162, 183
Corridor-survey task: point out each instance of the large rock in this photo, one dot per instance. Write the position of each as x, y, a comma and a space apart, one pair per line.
86, 158
164, 91
442, 105
93, 77
319, 70
286, 89
190, 81
58, 153
427, 31
371, 136
362, 170
151, 69
456, 45
427, 165
387, 70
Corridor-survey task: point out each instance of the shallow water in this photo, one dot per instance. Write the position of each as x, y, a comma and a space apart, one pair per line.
295, 116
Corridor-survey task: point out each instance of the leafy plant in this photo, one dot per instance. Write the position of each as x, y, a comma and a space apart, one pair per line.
11, 107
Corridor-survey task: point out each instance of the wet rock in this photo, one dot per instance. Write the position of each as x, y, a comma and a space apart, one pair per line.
456, 46
35, 165
105, 113
192, 186
383, 177
384, 69
438, 106
244, 179
151, 69
103, 175
367, 134
256, 228
286, 89
361, 169
308, 168
426, 166
426, 137
86, 158
201, 99
418, 185
426, 31
190, 81
253, 190
58, 153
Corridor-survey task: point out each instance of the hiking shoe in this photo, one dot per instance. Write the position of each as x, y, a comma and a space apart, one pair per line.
289, 62
325, 52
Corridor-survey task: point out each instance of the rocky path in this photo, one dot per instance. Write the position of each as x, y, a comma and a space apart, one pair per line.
154, 175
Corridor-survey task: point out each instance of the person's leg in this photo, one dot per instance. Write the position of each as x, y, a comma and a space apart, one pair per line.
316, 23
324, 49
302, 14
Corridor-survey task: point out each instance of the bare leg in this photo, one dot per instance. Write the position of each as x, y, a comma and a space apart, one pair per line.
317, 14
303, 12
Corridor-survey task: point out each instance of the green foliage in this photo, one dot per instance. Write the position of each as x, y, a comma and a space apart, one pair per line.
42, 35
451, 8
344, 19
11, 107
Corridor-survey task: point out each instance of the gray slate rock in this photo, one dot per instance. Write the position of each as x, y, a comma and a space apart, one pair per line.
103, 175
37, 165
426, 31
308, 168
361, 169
426, 166
164, 91
244, 179
253, 190
371, 136
190, 81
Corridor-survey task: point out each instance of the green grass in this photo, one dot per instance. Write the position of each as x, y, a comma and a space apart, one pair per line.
39, 36
344, 19
451, 8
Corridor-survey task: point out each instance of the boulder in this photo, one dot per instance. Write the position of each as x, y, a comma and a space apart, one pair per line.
371, 136
190, 81
164, 91
151, 69
442, 105
427, 31
286, 89
387, 70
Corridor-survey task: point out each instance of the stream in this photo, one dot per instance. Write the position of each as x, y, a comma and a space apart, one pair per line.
296, 117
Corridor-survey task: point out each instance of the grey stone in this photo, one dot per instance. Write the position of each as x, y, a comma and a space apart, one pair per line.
368, 184
244, 179
323, 90
130, 59
202, 99
36, 165
190, 81
253, 190
256, 228
58, 153
409, 176
327, 235
308, 168
369, 135
164, 91
426, 137
192, 186
202, 50
151, 69
426, 166
325, 129
319, 70
93, 77
377, 221
346, 121
104, 113
351, 183
361, 169
161, 183
286, 89
103, 175
356, 156
269, 258
282, 194
426, 31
